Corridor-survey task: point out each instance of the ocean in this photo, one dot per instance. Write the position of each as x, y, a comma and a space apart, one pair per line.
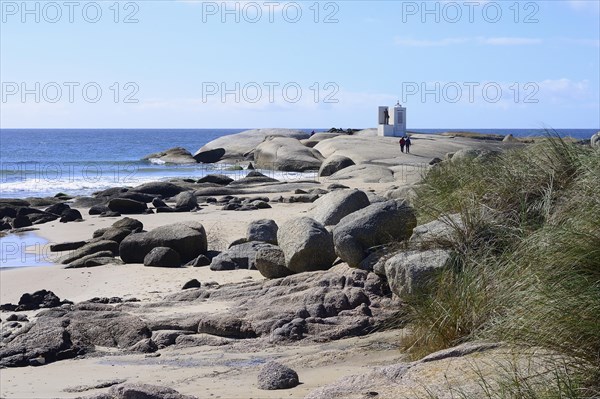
44, 162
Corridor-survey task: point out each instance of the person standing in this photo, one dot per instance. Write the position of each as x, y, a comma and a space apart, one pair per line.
407, 143
402, 144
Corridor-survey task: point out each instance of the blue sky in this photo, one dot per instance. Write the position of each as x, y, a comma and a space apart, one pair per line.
238, 64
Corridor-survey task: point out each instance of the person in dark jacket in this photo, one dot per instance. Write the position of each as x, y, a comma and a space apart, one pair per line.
407, 143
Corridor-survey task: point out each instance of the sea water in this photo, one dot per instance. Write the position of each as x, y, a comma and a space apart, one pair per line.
44, 162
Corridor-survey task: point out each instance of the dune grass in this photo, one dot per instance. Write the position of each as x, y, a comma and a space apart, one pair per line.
528, 259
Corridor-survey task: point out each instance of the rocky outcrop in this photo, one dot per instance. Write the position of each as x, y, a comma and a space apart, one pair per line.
375, 225
286, 154
321, 305
332, 207
176, 155
188, 239
64, 333
238, 146
334, 164
275, 375
306, 244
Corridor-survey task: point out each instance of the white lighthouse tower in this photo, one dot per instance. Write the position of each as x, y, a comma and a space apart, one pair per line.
392, 124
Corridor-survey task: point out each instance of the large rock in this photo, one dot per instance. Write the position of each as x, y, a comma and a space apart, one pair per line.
209, 156
127, 206
334, 164
275, 375
306, 244
89, 249
221, 180
377, 224
70, 215
286, 154
262, 230
38, 300
21, 221
332, 207
164, 189
67, 246
411, 272
188, 239
140, 197
176, 155
162, 257
439, 231
129, 223
595, 140
238, 146
186, 201
86, 261
240, 256
270, 262
98, 209
116, 234
58, 209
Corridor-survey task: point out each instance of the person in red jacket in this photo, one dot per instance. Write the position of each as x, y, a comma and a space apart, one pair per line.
402, 144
